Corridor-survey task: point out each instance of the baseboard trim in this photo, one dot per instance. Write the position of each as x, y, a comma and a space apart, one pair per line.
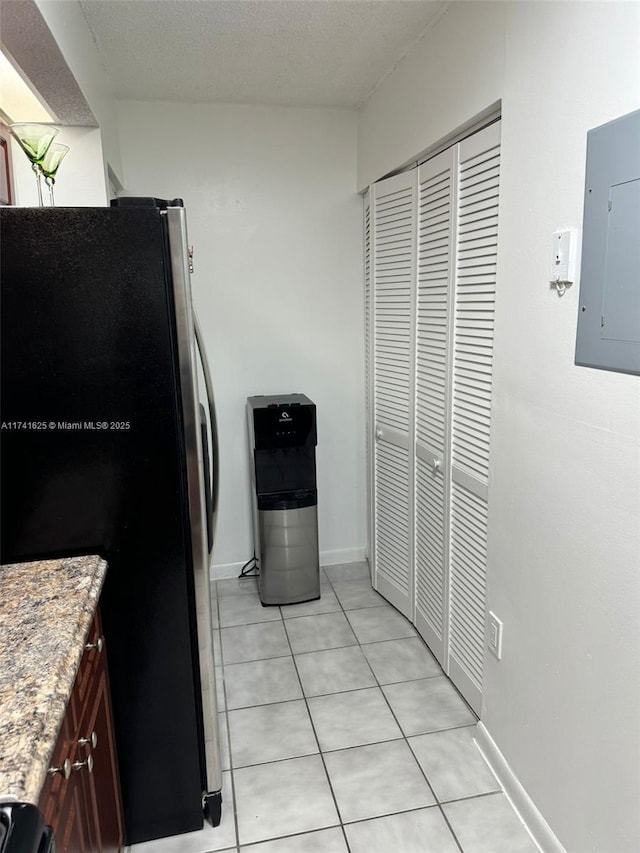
343, 555
529, 813
225, 570
327, 558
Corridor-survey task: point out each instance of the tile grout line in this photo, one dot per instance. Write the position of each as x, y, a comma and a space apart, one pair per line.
404, 736
227, 709
328, 582
226, 716
282, 620
380, 686
339, 693
315, 734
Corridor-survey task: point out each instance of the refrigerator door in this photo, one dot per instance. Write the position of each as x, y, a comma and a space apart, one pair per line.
184, 319
93, 461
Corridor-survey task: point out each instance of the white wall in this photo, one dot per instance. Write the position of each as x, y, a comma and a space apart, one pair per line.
69, 28
565, 515
444, 82
564, 541
276, 223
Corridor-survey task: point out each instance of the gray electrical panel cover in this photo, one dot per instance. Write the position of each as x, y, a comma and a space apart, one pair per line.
609, 307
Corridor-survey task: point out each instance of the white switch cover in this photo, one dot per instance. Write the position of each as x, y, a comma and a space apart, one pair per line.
495, 635
564, 259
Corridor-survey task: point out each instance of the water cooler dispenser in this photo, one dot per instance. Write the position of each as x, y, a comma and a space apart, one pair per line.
282, 442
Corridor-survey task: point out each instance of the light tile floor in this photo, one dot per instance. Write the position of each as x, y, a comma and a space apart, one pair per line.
341, 734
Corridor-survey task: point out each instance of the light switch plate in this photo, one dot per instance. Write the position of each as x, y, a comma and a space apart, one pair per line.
564, 256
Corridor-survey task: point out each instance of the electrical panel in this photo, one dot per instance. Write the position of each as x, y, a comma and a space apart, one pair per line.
609, 307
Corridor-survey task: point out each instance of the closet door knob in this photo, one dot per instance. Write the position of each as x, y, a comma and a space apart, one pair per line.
379, 434
436, 465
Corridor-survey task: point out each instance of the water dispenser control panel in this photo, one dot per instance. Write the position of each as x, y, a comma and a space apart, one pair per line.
283, 421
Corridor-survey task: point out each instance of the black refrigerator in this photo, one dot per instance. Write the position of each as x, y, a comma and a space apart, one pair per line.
109, 447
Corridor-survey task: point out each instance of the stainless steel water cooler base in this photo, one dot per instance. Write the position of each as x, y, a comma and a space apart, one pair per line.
289, 562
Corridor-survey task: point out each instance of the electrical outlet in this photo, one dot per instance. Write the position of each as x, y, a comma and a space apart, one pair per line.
495, 635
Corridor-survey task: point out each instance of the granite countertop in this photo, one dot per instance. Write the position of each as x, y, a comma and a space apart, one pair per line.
46, 610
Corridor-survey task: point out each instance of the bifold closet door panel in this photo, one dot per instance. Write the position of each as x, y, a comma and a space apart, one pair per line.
475, 289
430, 273
467, 613
368, 392
394, 273
436, 217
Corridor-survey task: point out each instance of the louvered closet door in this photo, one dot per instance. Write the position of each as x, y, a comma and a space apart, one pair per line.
475, 278
394, 268
434, 294
368, 341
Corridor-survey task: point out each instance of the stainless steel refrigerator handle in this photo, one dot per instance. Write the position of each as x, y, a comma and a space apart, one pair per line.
214, 426
179, 260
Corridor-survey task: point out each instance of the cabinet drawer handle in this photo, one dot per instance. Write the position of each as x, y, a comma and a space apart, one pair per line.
88, 763
98, 645
92, 740
64, 769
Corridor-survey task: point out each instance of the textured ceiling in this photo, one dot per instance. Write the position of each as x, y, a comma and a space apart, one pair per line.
297, 52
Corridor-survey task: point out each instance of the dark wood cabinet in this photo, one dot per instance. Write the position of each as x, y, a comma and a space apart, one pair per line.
81, 796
